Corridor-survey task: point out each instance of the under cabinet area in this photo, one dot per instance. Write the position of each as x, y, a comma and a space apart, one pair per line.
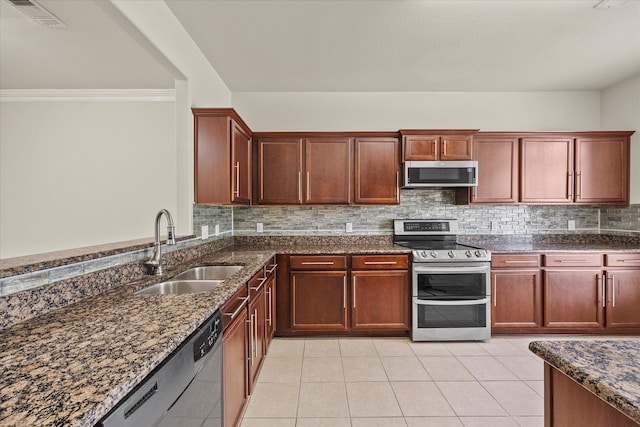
516, 291
248, 325
566, 292
343, 295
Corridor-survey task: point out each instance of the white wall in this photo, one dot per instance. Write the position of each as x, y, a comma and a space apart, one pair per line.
81, 173
354, 111
621, 111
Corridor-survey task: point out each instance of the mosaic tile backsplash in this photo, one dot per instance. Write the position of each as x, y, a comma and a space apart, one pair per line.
419, 203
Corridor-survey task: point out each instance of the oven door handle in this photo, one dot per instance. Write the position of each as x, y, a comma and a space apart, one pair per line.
456, 302
450, 269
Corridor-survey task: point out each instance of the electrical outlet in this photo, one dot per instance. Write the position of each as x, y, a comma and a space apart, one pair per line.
205, 232
494, 225
571, 224
259, 227
217, 229
349, 227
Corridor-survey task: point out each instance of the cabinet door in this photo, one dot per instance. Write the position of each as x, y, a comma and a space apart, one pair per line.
234, 376
456, 147
497, 170
240, 165
623, 299
420, 147
380, 300
319, 300
280, 171
328, 170
377, 170
270, 310
516, 299
602, 170
546, 170
256, 337
573, 299
212, 159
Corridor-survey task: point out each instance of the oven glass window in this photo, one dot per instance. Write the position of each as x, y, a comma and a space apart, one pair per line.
452, 286
452, 316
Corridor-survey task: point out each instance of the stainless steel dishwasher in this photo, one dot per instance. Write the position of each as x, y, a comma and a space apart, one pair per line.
186, 389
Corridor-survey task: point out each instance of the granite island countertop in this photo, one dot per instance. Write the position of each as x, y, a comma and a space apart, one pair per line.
71, 366
609, 368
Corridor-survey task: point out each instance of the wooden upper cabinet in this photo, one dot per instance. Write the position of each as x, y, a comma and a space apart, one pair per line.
377, 171
280, 171
240, 164
602, 170
546, 170
498, 159
222, 164
327, 176
437, 144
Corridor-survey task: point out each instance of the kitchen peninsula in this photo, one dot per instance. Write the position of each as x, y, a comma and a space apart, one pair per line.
593, 383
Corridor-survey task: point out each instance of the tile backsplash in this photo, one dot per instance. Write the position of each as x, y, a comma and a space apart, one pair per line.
419, 203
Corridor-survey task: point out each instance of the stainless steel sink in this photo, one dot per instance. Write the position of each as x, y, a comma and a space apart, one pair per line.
209, 272
179, 287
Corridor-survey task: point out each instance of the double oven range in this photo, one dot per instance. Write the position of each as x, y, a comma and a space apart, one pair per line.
451, 290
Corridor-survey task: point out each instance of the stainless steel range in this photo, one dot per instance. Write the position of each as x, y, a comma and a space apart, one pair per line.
451, 282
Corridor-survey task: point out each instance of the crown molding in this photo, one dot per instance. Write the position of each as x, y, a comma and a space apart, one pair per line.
90, 95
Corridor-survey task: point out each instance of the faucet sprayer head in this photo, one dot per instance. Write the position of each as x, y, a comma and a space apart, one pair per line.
171, 235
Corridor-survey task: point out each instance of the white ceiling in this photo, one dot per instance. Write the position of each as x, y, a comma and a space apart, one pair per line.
340, 45
91, 52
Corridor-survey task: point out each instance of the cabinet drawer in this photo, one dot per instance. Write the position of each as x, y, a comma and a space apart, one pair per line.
317, 262
235, 307
573, 260
257, 282
377, 262
515, 261
270, 266
622, 260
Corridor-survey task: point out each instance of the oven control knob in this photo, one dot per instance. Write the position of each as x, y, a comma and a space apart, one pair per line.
424, 254
451, 254
468, 254
478, 254
434, 254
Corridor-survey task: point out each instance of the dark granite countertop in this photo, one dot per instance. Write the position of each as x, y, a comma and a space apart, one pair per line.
69, 367
609, 369
553, 243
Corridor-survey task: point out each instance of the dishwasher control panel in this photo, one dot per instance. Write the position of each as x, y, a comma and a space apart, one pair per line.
207, 336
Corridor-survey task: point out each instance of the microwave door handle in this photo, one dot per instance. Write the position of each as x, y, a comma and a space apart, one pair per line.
455, 302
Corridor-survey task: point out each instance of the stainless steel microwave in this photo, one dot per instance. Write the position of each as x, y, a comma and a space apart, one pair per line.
440, 174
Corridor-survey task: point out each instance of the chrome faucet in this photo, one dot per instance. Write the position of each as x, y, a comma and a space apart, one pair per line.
154, 263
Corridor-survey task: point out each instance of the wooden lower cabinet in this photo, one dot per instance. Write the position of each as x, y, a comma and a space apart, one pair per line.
269, 311
234, 358
319, 300
623, 297
516, 299
380, 300
567, 403
573, 298
257, 342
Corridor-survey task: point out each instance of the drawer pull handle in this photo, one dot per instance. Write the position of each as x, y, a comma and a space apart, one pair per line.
240, 307
628, 260
380, 263
273, 268
573, 261
257, 288
317, 263
520, 262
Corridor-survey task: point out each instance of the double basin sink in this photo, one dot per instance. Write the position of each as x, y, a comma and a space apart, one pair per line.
198, 279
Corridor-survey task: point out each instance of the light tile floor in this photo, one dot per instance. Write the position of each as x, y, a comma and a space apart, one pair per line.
354, 382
